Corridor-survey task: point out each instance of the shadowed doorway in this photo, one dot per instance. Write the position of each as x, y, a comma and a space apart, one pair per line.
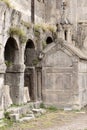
29, 56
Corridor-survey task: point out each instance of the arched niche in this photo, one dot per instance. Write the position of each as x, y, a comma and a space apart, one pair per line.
29, 53
29, 57
11, 52
49, 40
12, 76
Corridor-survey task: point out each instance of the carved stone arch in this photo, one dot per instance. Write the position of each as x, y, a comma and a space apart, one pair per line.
31, 38
6, 37
11, 51
29, 60
30, 44
13, 73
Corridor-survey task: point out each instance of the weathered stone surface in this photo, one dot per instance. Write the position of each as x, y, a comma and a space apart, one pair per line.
39, 111
2, 123
14, 117
1, 114
6, 97
59, 76
26, 119
63, 77
26, 95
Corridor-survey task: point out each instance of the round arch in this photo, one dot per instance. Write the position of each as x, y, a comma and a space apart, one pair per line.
29, 52
29, 57
49, 40
30, 44
11, 52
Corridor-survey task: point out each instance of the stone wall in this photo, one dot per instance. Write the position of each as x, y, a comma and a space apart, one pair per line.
39, 11
59, 78
63, 81
82, 80
50, 11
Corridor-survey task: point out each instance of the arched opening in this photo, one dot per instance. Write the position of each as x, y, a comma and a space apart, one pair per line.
49, 40
30, 44
11, 51
29, 57
12, 75
29, 53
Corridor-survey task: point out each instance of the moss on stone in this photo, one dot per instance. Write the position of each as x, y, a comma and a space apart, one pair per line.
18, 32
26, 24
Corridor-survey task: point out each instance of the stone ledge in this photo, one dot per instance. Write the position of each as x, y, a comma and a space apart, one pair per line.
16, 68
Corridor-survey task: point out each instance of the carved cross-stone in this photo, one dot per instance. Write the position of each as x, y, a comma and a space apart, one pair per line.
64, 6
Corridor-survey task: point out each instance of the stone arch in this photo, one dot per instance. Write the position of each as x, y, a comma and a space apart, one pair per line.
29, 52
11, 52
13, 73
29, 58
30, 44
49, 40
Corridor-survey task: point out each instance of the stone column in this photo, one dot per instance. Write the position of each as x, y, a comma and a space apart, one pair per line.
32, 82
39, 84
15, 79
35, 84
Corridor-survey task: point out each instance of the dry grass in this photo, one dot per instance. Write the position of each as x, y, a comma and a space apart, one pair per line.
50, 119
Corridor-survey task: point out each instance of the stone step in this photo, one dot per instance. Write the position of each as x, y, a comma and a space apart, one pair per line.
26, 119
2, 123
21, 109
42, 111
16, 117
38, 112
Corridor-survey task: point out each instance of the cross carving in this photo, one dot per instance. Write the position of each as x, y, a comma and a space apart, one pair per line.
64, 6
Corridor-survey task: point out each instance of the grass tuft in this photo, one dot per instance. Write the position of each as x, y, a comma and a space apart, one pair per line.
18, 32
26, 24
52, 108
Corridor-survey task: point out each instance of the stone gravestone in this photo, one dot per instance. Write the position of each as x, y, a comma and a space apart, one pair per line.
7, 101
26, 95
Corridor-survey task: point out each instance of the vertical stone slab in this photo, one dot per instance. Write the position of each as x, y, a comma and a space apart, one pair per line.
15, 79
39, 84
6, 97
35, 83
26, 94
